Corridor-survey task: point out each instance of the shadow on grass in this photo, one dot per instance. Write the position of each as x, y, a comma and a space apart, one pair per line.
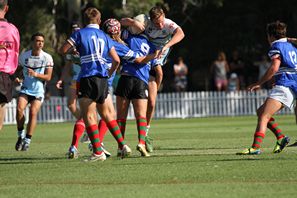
28, 160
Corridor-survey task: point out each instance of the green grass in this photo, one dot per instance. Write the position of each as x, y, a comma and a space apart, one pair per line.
193, 158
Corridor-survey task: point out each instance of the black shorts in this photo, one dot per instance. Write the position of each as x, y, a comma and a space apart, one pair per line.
5, 88
93, 87
31, 98
130, 87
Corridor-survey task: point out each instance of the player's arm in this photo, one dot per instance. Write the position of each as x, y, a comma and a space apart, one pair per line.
178, 35
45, 77
115, 61
275, 64
65, 48
65, 72
128, 22
147, 58
292, 40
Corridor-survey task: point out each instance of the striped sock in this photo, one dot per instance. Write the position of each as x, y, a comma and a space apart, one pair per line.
273, 126
102, 129
141, 127
116, 132
94, 137
258, 138
78, 130
122, 125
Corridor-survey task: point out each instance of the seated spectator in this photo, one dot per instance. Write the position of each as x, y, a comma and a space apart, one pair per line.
233, 83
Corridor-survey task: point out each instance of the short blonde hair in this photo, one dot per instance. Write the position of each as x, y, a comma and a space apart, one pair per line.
92, 15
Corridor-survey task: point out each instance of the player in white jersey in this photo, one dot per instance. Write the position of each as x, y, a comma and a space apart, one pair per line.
37, 67
164, 33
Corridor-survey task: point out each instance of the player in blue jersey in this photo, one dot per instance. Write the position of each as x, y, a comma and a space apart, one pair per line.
37, 67
133, 86
113, 28
163, 33
94, 46
284, 70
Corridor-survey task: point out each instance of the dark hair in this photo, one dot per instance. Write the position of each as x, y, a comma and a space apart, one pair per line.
91, 15
277, 29
156, 12
2, 4
36, 34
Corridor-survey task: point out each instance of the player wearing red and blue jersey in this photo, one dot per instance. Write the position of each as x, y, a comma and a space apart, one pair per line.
284, 70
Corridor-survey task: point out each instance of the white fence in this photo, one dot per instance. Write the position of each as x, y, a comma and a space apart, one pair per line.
169, 105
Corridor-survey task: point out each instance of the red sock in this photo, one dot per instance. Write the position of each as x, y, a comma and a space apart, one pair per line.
78, 130
116, 132
273, 126
94, 137
141, 127
258, 138
102, 130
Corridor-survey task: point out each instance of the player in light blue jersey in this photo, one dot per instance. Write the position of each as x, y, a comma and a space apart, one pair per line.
94, 46
37, 67
133, 86
284, 70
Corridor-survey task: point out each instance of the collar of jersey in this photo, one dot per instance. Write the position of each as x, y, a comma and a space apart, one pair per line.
93, 26
280, 40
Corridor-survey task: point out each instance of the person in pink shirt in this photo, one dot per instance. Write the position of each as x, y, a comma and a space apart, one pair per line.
9, 52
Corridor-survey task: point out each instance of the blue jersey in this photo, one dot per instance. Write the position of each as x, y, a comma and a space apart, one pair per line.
140, 45
125, 54
287, 73
93, 46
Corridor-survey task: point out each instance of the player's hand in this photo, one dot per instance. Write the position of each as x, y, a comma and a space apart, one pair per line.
32, 73
2, 47
59, 84
253, 87
162, 51
139, 25
18, 81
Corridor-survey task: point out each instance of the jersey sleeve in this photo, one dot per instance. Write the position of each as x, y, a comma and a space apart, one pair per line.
21, 60
75, 38
171, 26
125, 52
274, 52
49, 61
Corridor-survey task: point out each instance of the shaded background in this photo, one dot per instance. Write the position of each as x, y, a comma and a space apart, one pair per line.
209, 26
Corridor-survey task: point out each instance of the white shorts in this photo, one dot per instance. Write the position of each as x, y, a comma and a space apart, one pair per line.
284, 95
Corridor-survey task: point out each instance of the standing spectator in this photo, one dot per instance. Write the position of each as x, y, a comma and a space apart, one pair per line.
283, 94
180, 72
263, 65
37, 67
9, 52
237, 66
219, 70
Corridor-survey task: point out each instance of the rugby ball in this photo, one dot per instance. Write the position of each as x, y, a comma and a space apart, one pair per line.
143, 20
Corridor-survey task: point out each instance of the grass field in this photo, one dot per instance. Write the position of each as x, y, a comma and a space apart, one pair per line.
193, 158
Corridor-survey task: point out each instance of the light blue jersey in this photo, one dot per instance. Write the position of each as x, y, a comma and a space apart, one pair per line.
93, 46
75, 67
31, 85
287, 73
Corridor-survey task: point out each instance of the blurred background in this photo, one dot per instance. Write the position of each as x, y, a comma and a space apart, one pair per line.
235, 27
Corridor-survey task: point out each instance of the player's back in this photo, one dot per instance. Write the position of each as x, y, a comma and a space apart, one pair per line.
10, 39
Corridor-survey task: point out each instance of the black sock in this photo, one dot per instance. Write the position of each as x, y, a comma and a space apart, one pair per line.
28, 136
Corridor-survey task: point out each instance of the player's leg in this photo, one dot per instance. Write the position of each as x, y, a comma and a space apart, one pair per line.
35, 105
22, 102
140, 106
265, 112
2, 114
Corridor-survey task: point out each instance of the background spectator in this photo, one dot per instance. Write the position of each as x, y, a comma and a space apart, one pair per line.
219, 70
233, 83
180, 72
263, 65
237, 66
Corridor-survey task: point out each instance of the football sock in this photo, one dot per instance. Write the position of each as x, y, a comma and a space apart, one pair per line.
116, 132
273, 126
78, 130
102, 130
141, 127
258, 138
94, 137
122, 125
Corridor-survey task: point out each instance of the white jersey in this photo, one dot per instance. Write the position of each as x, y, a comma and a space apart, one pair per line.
31, 85
160, 37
